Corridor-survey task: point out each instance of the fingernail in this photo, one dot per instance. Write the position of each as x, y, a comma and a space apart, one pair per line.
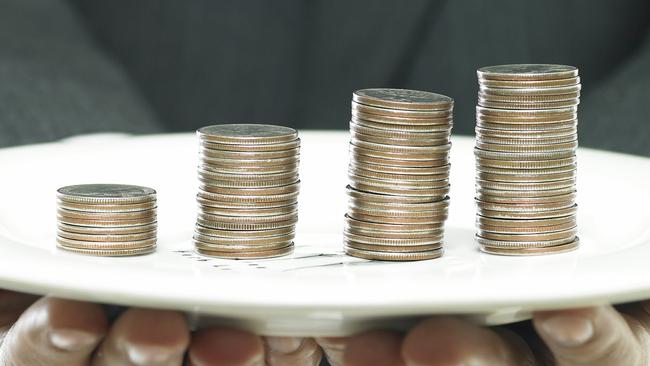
72, 340
284, 344
150, 355
568, 331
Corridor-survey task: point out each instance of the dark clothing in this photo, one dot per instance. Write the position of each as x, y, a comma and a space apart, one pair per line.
176, 65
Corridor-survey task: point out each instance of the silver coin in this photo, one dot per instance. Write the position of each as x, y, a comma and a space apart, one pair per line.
247, 134
525, 244
405, 128
499, 198
518, 84
528, 105
391, 256
391, 248
524, 207
251, 147
390, 242
378, 168
379, 197
422, 234
251, 169
223, 183
249, 155
525, 223
548, 214
527, 72
238, 164
92, 230
235, 249
524, 98
106, 237
367, 173
396, 205
254, 243
401, 141
105, 207
401, 135
536, 155
528, 135
557, 249
402, 99
106, 193
85, 244
540, 113
246, 204
110, 252
245, 226
400, 149
530, 91
260, 254
524, 239
397, 228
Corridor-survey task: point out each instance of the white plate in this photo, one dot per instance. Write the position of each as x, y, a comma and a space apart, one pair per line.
317, 290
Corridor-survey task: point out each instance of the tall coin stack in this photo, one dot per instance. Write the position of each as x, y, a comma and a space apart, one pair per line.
106, 219
526, 141
399, 174
248, 190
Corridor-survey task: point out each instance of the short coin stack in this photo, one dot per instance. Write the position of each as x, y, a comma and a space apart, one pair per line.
248, 190
399, 174
106, 219
526, 141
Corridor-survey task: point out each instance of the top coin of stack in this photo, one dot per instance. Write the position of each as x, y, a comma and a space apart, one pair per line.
526, 141
248, 190
106, 219
399, 174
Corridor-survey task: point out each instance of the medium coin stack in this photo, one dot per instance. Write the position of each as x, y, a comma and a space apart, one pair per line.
526, 141
248, 190
399, 174
106, 219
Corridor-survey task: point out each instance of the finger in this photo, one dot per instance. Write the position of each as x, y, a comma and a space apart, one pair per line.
291, 351
377, 348
451, 341
225, 347
637, 316
334, 349
55, 332
12, 305
592, 336
145, 337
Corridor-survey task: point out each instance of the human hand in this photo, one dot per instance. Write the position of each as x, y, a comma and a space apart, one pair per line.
595, 336
56, 332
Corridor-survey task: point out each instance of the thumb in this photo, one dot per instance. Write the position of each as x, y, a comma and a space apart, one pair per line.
54, 332
592, 336
292, 351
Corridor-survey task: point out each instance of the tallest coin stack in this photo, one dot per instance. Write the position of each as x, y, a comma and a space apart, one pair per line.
526, 140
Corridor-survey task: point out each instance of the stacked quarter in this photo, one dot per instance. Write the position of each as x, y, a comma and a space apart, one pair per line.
248, 190
106, 219
526, 141
399, 174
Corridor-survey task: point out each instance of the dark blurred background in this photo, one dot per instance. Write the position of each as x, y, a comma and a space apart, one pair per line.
79, 66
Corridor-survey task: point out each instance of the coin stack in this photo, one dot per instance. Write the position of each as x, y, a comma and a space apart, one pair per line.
526, 141
106, 219
248, 190
399, 174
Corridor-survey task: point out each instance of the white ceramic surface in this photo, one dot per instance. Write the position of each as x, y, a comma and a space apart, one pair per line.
317, 290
